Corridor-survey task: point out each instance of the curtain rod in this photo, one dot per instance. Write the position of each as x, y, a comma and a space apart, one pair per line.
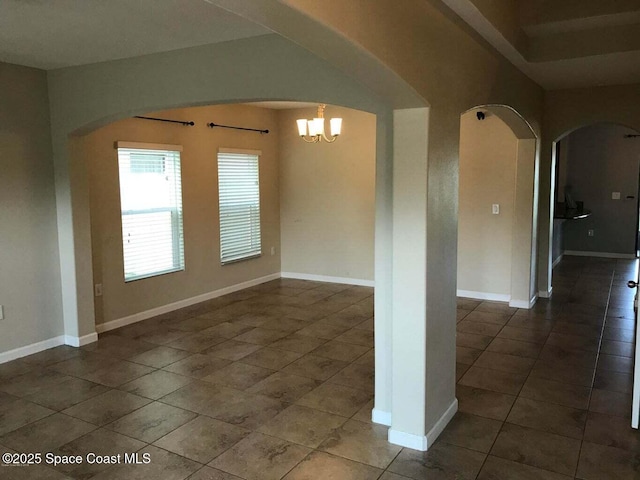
187, 124
213, 125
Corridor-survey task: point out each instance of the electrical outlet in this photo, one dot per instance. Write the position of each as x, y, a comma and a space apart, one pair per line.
273, 250
590, 232
98, 290
495, 209
1, 312
615, 195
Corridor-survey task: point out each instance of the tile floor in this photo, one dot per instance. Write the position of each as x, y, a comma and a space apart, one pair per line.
276, 382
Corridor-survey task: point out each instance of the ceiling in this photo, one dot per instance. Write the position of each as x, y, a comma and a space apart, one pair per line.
562, 43
51, 34
557, 43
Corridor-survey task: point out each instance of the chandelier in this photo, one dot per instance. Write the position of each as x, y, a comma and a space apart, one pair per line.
312, 131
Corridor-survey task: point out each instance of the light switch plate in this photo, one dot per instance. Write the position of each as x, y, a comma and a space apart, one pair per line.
615, 195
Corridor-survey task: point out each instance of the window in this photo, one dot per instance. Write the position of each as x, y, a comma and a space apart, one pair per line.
239, 192
151, 203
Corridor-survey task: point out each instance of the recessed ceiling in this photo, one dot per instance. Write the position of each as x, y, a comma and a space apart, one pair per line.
51, 34
562, 43
283, 105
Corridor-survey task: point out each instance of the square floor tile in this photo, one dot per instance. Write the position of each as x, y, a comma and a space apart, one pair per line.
271, 358
156, 384
302, 425
610, 403
298, 343
496, 468
484, 403
505, 362
318, 368
46, 434
338, 399
471, 431
202, 439
356, 376
260, 457
117, 373
548, 417
68, 392
611, 431
107, 407
16, 412
539, 449
441, 461
159, 357
239, 375
323, 465
152, 421
232, 350
340, 351
497, 381
284, 387
598, 462
566, 394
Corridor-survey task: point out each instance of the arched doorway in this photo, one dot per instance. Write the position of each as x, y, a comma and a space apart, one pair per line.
497, 202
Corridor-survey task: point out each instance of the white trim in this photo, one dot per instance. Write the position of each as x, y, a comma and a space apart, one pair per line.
138, 317
326, 278
381, 417
557, 261
409, 440
523, 303
422, 443
80, 341
495, 297
149, 146
577, 253
31, 349
240, 150
442, 422
543, 294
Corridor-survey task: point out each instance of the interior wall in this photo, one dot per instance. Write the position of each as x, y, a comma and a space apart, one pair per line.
203, 272
29, 267
601, 161
488, 155
327, 197
565, 111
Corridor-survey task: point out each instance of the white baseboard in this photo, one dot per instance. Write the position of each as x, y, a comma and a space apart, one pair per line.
494, 297
381, 417
325, 278
31, 349
408, 440
545, 294
138, 317
80, 341
422, 443
557, 261
577, 253
524, 304
443, 421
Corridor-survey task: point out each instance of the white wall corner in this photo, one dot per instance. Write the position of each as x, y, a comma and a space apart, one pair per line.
138, 317
525, 304
381, 417
80, 341
328, 279
31, 349
422, 443
545, 294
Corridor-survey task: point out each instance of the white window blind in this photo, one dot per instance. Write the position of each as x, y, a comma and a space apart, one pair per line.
151, 203
239, 192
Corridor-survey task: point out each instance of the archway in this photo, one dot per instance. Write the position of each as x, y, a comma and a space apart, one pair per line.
497, 219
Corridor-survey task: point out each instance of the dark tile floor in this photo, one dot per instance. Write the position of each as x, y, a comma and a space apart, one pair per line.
276, 382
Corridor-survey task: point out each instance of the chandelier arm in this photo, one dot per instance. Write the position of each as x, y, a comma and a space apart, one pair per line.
313, 139
330, 140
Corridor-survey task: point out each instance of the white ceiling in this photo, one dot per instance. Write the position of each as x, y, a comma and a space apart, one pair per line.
60, 33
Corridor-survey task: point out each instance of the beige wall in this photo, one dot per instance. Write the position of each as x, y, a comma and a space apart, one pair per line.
488, 152
203, 272
327, 197
29, 267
